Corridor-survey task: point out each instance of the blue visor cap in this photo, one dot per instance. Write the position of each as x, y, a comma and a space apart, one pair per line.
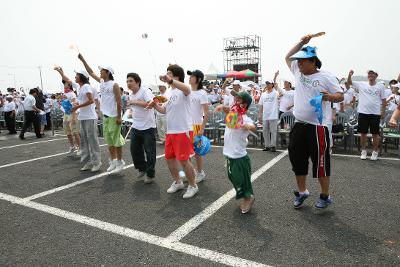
305, 52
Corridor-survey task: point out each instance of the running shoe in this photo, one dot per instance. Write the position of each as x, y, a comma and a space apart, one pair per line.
175, 187
323, 202
191, 191
299, 198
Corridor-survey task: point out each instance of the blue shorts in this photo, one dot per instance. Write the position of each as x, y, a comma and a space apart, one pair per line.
43, 120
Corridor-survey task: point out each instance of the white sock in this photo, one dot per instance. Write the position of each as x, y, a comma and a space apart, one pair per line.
304, 192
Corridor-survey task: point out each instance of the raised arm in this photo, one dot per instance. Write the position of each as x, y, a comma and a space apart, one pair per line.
350, 80
304, 40
88, 68
225, 84
276, 86
62, 74
179, 85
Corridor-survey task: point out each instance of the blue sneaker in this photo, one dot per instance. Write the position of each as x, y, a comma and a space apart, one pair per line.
323, 202
299, 198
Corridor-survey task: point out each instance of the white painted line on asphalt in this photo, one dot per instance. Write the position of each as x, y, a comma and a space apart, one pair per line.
60, 188
38, 142
356, 156
193, 223
134, 234
35, 159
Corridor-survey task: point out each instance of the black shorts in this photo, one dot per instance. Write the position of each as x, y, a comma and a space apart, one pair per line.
368, 121
308, 140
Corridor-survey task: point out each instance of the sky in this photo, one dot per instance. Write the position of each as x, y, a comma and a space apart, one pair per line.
360, 35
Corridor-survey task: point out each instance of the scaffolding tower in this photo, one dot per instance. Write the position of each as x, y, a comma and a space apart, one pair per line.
242, 53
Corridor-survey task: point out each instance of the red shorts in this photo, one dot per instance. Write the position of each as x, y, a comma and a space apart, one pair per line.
179, 146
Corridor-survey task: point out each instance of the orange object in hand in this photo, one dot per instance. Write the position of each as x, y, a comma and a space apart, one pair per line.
160, 99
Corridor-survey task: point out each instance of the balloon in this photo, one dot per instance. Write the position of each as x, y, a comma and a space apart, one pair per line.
67, 106
145, 35
201, 145
316, 102
170, 40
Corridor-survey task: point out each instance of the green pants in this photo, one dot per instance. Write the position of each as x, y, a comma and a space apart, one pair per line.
239, 173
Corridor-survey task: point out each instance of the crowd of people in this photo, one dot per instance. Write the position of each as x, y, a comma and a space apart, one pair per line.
179, 113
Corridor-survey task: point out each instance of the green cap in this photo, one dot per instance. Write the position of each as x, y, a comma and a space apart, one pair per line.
244, 96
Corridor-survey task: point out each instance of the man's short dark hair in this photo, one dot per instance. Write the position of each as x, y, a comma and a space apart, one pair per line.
393, 82
177, 71
135, 77
33, 90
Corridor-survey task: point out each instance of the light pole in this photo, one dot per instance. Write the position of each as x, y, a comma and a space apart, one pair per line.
40, 73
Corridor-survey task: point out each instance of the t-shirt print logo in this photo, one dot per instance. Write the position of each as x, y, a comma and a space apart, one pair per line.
171, 100
315, 83
372, 92
195, 101
269, 99
305, 81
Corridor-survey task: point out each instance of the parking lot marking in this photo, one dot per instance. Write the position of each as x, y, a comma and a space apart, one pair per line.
60, 188
38, 142
35, 159
134, 234
201, 217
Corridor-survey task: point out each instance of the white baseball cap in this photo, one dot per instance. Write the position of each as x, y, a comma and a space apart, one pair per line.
83, 72
236, 82
111, 70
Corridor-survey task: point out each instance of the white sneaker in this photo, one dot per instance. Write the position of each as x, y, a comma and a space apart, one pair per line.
78, 152
119, 166
374, 155
200, 176
113, 164
191, 191
86, 167
363, 154
175, 187
96, 167
71, 150
182, 175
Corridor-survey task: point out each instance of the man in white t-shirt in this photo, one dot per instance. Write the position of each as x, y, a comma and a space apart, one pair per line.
286, 101
31, 114
394, 99
9, 109
268, 115
229, 99
178, 143
371, 110
143, 132
90, 148
309, 136
111, 108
